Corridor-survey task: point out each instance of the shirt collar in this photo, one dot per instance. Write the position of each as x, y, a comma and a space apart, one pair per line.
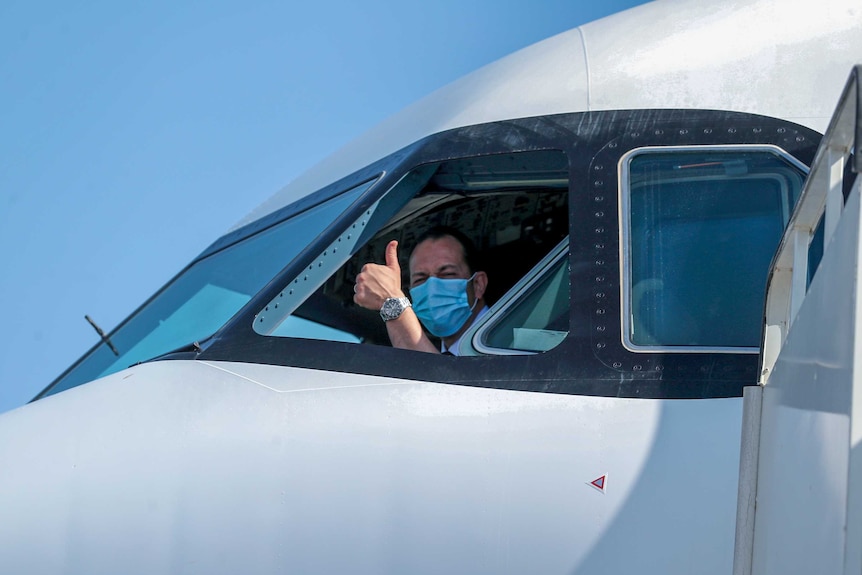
454, 350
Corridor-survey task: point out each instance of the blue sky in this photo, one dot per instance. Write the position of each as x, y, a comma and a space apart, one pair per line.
134, 134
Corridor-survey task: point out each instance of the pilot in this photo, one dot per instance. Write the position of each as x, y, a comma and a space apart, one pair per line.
446, 288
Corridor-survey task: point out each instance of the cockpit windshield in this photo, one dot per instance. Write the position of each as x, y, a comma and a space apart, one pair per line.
202, 298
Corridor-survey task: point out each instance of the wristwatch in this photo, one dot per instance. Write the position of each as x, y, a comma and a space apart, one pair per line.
393, 307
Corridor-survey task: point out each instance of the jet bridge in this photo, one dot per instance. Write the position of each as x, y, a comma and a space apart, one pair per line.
800, 495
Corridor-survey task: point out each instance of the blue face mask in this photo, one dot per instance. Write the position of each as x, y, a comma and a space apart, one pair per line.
441, 304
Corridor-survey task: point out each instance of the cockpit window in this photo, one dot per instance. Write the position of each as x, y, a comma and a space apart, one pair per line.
533, 316
201, 299
513, 207
700, 230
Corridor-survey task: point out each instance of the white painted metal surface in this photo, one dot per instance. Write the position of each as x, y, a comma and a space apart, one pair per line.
822, 199
196, 468
808, 516
806, 422
749, 457
665, 54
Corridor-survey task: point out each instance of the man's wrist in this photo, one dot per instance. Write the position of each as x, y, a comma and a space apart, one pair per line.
393, 307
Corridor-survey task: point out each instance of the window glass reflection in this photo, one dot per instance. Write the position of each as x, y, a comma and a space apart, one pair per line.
703, 227
199, 301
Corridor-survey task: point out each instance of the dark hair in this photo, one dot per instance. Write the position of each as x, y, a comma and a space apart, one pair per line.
471, 254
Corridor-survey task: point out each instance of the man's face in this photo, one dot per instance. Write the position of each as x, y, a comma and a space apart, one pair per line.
442, 258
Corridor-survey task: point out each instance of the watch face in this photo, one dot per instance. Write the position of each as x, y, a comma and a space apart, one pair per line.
392, 308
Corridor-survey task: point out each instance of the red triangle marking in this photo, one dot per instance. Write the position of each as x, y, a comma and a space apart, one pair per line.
599, 483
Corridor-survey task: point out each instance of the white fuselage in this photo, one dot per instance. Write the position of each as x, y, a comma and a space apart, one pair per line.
194, 466
235, 467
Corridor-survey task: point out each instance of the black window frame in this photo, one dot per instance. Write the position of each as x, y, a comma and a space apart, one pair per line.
592, 360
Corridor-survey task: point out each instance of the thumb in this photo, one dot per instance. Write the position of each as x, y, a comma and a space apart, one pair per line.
392, 256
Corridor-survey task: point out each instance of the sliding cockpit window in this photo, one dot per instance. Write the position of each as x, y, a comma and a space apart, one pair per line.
512, 207
700, 229
532, 317
200, 300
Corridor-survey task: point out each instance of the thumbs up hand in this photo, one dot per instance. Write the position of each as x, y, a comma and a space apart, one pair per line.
377, 282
